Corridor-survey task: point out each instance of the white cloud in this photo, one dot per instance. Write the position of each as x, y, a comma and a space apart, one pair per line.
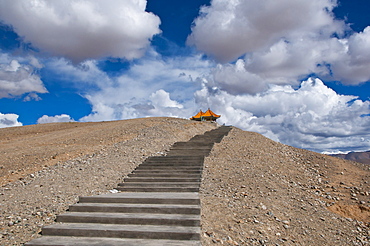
353, 62
53, 119
162, 98
228, 29
313, 116
19, 77
281, 42
9, 120
32, 97
235, 79
83, 29
152, 86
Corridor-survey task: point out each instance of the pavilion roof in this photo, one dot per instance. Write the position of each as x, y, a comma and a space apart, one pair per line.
198, 115
209, 113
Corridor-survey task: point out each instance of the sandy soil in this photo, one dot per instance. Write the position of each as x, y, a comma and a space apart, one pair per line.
254, 191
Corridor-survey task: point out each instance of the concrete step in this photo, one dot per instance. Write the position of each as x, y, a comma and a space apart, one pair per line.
130, 218
96, 241
160, 179
185, 152
170, 163
190, 143
170, 166
179, 159
179, 152
190, 198
135, 208
191, 147
123, 231
169, 171
158, 189
165, 174
159, 184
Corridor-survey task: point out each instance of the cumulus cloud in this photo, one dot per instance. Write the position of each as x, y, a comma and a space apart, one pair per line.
162, 98
9, 120
312, 116
280, 42
152, 86
83, 29
353, 62
18, 78
53, 119
229, 29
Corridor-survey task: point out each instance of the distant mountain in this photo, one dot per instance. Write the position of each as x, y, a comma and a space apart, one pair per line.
363, 157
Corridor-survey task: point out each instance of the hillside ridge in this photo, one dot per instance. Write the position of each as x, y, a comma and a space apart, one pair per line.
254, 191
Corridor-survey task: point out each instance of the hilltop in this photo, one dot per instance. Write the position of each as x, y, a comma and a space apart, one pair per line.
254, 191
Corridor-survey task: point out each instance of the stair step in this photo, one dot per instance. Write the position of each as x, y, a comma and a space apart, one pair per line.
179, 159
172, 168
160, 179
184, 172
191, 143
130, 218
172, 164
160, 184
175, 153
169, 169
189, 198
189, 147
158, 189
135, 208
96, 241
165, 174
123, 231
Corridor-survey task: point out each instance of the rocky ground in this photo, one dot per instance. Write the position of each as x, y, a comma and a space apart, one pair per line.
46, 167
259, 192
254, 191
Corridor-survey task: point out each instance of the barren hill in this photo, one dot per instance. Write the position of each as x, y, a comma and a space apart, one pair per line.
363, 157
254, 191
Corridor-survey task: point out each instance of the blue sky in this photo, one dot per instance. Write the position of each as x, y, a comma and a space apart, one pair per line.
296, 71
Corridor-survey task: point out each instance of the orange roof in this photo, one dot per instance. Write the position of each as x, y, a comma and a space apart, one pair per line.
198, 115
209, 113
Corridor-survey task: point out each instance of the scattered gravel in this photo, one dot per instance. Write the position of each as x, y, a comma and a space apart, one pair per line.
254, 191
259, 192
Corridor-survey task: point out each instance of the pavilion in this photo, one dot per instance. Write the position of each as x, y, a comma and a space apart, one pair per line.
206, 116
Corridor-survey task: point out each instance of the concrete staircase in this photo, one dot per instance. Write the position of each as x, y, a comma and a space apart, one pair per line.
158, 203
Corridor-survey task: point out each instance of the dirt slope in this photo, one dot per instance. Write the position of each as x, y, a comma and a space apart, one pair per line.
254, 191
259, 192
